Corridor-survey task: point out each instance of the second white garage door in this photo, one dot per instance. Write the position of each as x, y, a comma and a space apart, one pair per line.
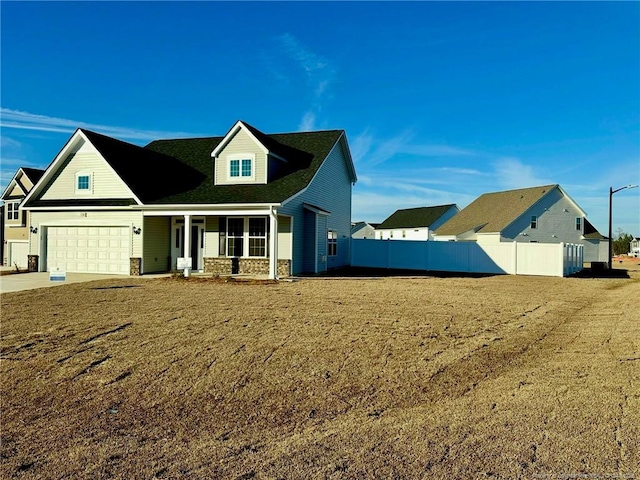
89, 249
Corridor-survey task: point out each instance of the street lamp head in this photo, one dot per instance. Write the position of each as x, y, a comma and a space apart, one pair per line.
612, 191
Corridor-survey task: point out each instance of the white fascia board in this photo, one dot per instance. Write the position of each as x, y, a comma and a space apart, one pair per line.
347, 151
284, 202
584, 214
227, 138
55, 165
77, 208
135, 197
219, 210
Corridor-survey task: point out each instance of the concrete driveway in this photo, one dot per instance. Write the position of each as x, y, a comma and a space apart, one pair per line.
26, 281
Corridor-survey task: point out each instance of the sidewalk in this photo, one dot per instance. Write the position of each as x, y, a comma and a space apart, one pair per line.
28, 281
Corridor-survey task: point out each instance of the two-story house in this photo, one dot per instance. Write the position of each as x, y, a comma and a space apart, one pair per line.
15, 236
245, 202
544, 214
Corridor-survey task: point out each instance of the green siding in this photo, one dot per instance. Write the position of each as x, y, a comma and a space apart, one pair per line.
157, 242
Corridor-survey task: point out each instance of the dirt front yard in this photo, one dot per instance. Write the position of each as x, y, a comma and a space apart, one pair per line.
422, 377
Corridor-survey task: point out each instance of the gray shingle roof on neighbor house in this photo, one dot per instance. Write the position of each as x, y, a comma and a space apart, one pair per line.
34, 174
591, 232
493, 212
414, 217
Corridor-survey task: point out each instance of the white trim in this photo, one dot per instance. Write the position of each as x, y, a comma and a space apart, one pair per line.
81, 208
73, 142
42, 246
87, 191
14, 182
350, 167
234, 130
240, 157
272, 228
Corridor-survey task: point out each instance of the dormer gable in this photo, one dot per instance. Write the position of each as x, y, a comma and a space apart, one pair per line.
246, 156
22, 183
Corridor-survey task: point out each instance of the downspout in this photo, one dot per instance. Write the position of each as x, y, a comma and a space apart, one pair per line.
273, 244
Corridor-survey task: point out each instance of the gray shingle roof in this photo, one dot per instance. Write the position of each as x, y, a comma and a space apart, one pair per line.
304, 152
493, 212
181, 171
151, 175
591, 232
415, 217
34, 174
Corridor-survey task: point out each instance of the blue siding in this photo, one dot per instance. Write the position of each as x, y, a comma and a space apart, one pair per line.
330, 190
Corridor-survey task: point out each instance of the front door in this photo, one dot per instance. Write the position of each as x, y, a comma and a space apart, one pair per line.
196, 242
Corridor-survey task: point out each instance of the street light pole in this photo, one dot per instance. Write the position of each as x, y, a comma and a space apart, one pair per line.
611, 192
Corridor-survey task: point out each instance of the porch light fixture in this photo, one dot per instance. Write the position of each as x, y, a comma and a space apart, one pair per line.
611, 192
137, 230
33, 229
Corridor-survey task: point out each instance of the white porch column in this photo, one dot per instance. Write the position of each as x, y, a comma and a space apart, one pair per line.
273, 244
187, 241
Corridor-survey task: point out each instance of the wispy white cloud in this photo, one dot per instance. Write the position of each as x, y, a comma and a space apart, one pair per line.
371, 150
319, 74
308, 122
512, 173
30, 121
306, 59
7, 143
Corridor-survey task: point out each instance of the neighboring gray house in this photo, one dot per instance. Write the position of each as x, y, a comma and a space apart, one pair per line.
363, 230
544, 214
415, 223
104, 205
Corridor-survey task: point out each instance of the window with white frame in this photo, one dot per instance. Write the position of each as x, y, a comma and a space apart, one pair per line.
534, 221
84, 182
257, 237
13, 210
235, 237
241, 167
579, 224
332, 243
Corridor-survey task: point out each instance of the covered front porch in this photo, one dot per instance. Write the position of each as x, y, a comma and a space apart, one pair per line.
219, 242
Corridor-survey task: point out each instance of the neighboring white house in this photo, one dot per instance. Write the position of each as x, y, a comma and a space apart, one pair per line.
415, 223
245, 202
544, 214
15, 236
634, 247
363, 230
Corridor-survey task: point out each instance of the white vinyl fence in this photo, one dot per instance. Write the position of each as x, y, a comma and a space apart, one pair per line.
548, 259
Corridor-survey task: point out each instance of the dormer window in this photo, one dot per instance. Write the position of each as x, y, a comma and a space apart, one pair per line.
84, 182
241, 167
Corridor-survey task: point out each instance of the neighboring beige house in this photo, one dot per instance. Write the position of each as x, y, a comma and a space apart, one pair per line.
245, 202
415, 223
363, 230
15, 220
544, 214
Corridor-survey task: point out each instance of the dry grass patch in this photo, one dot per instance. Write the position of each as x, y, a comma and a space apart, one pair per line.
500, 377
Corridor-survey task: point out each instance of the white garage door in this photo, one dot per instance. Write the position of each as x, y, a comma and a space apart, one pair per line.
89, 249
17, 253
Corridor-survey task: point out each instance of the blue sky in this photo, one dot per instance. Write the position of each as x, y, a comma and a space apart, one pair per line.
441, 101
